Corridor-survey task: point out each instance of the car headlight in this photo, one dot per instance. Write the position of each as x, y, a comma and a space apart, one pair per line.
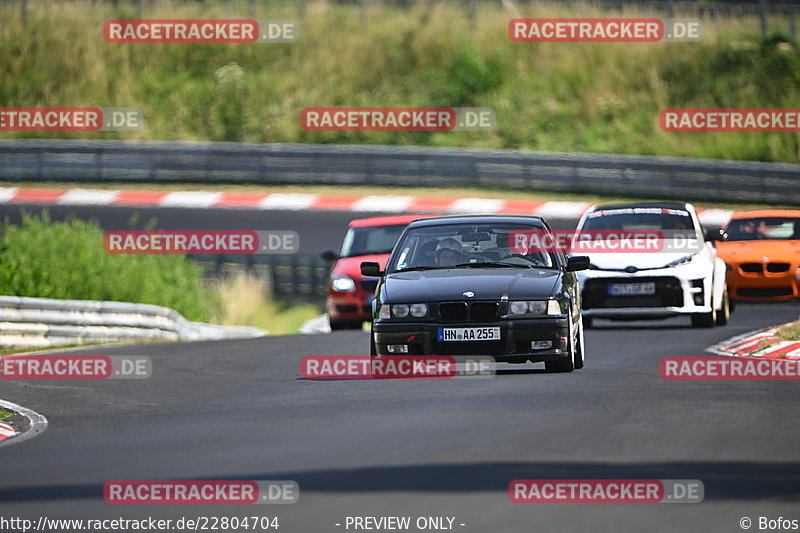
553, 307
534, 307
681, 261
403, 310
400, 310
418, 310
342, 283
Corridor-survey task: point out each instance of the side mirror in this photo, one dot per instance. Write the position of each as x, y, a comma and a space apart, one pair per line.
329, 255
715, 235
577, 262
370, 269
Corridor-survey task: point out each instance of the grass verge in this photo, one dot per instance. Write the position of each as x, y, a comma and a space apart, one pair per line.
566, 97
244, 302
5, 414
790, 331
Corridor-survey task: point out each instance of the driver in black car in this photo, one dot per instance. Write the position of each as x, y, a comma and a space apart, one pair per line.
448, 253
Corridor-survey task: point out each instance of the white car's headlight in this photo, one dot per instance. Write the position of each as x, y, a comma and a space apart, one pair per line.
534, 307
686, 259
342, 283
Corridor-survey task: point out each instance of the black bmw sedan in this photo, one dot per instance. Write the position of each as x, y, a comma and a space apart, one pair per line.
472, 285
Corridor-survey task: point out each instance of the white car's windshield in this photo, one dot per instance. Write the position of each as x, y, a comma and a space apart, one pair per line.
639, 218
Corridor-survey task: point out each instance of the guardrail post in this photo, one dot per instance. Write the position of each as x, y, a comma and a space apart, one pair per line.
762, 15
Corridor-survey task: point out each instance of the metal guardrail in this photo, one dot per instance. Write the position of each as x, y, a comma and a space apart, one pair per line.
44, 322
301, 277
292, 164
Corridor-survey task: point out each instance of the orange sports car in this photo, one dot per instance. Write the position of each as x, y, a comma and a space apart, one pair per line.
762, 254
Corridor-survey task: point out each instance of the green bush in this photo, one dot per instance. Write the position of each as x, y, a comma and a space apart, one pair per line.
67, 260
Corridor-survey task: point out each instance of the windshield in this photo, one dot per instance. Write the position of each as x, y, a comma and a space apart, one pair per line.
465, 246
760, 228
639, 218
372, 240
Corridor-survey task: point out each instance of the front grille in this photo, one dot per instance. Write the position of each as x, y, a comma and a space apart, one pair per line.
453, 311
480, 311
347, 308
369, 285
468, 311
668, 293
765, 292
777, 267
753, 268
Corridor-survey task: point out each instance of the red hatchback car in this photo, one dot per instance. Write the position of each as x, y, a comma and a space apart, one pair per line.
349, 300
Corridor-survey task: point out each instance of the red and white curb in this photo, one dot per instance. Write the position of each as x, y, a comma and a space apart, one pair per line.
37, 424
6, 431
311, 202
761, 343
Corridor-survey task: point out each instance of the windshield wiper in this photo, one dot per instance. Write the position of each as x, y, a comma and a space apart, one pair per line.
411, 269
493, 264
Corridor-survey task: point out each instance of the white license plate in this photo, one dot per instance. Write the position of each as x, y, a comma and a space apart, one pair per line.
631, 289
469, 334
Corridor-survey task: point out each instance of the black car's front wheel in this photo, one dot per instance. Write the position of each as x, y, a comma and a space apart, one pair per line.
575, 359
373, 350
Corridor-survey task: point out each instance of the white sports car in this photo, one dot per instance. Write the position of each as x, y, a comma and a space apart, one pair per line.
679, 279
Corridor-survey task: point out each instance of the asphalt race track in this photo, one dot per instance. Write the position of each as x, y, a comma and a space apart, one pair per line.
317, 229
239, 410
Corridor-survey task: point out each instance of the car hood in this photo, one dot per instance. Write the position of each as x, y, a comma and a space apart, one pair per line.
487, 284
641, 260
351, 266
756, 251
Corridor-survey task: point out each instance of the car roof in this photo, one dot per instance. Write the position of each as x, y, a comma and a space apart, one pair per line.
766, 213
627, 205
385, 220
477, 219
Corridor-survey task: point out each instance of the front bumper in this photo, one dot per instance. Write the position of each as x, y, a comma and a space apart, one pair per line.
514, 345
763, 286
349, 306
674, 296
